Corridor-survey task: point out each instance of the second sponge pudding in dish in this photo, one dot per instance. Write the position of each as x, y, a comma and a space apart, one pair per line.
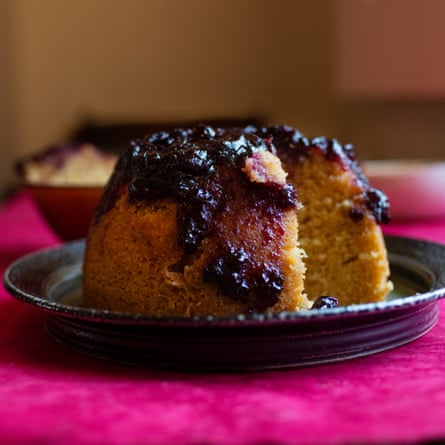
206, 221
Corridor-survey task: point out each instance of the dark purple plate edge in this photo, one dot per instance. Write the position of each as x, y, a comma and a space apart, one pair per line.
427, 259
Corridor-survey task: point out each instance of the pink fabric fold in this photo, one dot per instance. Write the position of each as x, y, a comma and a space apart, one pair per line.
51, 395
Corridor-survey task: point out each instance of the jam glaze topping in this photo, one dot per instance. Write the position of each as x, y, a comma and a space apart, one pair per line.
230, 198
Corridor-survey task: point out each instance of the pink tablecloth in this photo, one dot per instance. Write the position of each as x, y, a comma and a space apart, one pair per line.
51, 395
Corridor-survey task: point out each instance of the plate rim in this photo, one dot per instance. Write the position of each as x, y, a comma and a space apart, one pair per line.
90, 314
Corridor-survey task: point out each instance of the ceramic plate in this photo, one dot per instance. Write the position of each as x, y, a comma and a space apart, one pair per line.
51, 280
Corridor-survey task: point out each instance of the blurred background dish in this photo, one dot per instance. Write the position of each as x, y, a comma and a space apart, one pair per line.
415, 187
67, 209
66, 183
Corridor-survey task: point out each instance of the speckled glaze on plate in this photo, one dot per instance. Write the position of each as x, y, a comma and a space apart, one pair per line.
51, 279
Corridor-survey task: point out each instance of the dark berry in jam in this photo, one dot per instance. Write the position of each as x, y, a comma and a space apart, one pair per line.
377, 202
374, 201
257, 284
356, 213
325, 302
285, 197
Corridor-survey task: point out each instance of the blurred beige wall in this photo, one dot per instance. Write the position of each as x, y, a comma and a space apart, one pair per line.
142, 60
389, 73
7, 108
62, 62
